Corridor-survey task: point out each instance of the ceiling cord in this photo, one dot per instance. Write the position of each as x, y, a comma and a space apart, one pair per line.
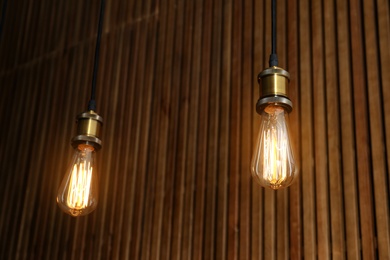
273, 58
92, 101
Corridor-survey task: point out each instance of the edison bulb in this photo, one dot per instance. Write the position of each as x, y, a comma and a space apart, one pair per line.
273, 163
78, 192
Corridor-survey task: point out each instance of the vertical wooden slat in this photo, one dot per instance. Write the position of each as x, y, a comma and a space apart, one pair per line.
201, 148
295, 203
117, 152
234, 131
114, 172
129, 181
347, 134
173, 132
166, 115
214, 44
269, 216
192, 81
362, 135
282, 241
383, 17
307, 153
224, 111
122, 147
137, 180
379, 170
333, 134
245, 139
148, 98
183, 81
146, 194
164, 82
257, 191
209, 74
139, 142
319, 127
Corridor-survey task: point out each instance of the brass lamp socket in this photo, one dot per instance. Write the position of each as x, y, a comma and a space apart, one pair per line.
88, 130
273, 83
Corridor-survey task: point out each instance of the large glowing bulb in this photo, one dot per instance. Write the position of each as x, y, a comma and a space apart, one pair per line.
273, 162
78, 192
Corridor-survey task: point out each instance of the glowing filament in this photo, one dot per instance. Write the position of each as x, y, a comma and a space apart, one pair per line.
79, 187
275, 155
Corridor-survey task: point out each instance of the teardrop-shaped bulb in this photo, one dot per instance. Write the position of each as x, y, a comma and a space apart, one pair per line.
78, 192
273, 162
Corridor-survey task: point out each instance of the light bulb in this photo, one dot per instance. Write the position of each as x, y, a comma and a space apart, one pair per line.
78, 192
273, 163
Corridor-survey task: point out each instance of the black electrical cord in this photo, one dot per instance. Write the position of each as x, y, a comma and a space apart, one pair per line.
273, 58
92, 101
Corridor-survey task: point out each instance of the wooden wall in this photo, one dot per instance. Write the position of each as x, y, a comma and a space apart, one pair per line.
177, 90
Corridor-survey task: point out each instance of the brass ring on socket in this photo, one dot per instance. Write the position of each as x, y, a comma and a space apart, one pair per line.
84, 139
276, 100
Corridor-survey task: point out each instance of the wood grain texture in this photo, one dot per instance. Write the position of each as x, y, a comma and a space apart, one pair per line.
360, 92
295, 191
177, 88
333, 134
379, 175
347, 135
307, 142
257, 236
320, 133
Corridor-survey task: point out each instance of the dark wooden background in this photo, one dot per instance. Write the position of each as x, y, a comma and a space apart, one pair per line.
177, 90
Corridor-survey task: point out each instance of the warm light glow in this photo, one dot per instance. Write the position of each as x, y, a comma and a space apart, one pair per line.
273, 163
80, 185
78, 193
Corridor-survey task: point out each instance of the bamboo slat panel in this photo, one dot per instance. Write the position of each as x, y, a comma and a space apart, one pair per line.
307, 128
177, 88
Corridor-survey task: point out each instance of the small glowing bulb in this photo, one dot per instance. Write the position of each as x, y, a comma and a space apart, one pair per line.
273, 162
78, 192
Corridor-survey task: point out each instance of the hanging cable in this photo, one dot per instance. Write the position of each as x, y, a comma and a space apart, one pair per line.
92, 101
273, 58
